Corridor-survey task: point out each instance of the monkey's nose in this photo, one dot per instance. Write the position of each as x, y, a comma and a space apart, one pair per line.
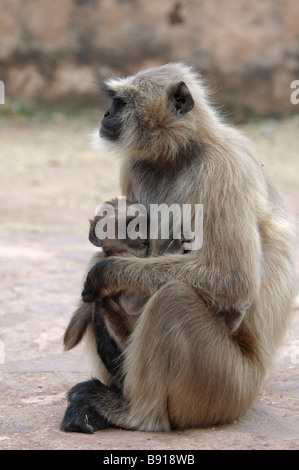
106, 114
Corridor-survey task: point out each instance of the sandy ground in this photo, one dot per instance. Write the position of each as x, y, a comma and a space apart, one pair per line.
51, 182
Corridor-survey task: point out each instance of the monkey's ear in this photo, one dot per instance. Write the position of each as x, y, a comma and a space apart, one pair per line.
92, 233
181, 99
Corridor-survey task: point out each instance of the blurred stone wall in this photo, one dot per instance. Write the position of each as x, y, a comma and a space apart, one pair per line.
53, 51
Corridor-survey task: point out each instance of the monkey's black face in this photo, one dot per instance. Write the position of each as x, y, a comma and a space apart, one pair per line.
142, 116
111, 123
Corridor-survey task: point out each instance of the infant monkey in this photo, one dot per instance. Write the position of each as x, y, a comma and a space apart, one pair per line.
113, 317
120, 311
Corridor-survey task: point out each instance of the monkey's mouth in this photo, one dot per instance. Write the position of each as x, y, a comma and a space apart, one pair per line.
108, 133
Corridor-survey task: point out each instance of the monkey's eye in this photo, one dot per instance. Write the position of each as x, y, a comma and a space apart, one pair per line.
119, 102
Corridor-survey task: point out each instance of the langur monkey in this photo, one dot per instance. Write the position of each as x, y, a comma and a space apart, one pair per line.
181, 366
112, 318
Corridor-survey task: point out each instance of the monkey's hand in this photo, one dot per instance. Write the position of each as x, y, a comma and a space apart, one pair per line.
95, 285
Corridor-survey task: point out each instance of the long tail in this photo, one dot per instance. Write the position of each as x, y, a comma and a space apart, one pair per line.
77, 326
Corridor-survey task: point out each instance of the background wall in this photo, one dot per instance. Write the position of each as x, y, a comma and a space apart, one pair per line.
53, 51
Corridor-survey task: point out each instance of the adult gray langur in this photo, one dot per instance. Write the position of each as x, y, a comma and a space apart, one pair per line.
215, 316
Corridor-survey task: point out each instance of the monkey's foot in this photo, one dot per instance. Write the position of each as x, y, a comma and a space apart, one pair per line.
82, 419
81, 415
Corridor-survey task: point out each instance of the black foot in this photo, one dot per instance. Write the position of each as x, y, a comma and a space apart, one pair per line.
81, 415
82, 419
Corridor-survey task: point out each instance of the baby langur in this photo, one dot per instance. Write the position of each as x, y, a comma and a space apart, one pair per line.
114, 316
120, 310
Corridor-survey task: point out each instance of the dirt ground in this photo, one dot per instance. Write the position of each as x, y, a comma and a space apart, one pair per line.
51, 181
